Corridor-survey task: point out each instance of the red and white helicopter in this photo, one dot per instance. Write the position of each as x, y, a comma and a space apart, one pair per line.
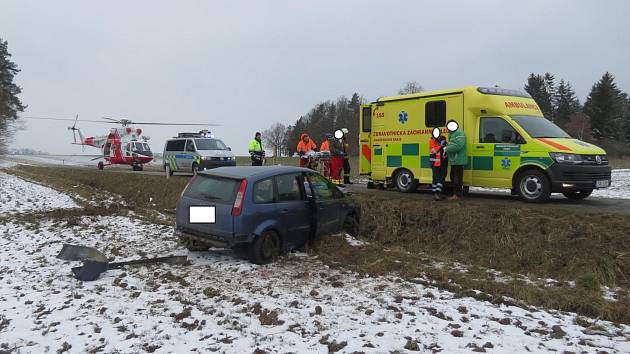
121, 146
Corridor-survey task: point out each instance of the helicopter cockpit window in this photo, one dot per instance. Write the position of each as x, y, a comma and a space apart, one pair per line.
146, 147
127, 149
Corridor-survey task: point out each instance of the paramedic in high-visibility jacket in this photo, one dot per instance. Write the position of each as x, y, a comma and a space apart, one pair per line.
439, 162
304, 147
457, 157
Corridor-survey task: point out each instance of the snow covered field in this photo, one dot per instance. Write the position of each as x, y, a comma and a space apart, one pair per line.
220, 303
18, 195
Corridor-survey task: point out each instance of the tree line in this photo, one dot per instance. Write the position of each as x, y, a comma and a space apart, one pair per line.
603, 119
324, 117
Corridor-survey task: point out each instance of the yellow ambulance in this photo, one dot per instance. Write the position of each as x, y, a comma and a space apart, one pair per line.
509, 143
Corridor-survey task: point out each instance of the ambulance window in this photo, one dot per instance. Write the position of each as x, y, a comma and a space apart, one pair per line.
497, 130
366, 124
435, 114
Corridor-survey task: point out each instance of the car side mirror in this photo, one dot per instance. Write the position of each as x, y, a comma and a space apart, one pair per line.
229, 148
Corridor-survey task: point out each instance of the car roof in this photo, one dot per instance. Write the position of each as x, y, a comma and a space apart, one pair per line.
253, 172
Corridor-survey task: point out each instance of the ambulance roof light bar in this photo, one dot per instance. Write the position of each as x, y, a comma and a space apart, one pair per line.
502, 92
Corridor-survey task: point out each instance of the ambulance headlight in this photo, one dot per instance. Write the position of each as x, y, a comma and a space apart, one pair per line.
205, 157
564, 158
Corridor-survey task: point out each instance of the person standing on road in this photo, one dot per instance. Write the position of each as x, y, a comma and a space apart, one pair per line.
457, 156
256, 150
439, 164
346, 152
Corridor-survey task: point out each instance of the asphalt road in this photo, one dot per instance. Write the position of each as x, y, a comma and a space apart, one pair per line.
496, 198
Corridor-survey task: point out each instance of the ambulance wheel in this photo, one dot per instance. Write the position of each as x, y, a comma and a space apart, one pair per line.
370, 185
265, 248
405, 182
577, 194
194, 168
533, 186
101, 165
168, 171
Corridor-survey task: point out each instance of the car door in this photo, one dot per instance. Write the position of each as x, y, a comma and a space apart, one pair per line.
326, 199
293, 210
496, 153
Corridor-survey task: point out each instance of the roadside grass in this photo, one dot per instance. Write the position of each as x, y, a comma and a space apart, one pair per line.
580, 251
620, 162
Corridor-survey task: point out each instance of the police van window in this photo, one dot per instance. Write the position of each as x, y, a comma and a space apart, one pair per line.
263, 191
435, 114
366, 124
497, 130
288, 187
189, 146
175, 145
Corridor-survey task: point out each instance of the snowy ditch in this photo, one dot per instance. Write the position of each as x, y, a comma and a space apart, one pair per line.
224, 304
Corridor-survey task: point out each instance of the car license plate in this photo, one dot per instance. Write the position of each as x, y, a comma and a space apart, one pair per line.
200, 214
602, 184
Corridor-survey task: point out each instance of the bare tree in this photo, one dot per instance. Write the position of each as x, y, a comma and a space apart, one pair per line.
410, 87
275, 138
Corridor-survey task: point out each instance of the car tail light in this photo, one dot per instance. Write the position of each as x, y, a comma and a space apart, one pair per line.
185, 188
240, 197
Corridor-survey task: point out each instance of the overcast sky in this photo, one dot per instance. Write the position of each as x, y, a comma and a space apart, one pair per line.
247, 64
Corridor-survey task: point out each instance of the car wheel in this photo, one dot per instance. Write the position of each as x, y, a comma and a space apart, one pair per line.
351, 226
405, 181
265, 248
195, 246
168, 171
194, 168
533, 186
577, 194
101, 165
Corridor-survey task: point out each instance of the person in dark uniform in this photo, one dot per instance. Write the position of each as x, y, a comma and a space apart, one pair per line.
346, 153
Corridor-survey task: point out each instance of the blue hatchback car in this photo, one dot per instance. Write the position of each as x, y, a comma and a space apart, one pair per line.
264, 210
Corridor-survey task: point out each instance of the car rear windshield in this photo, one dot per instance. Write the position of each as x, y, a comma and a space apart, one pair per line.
538, 127
215, 189
210, 144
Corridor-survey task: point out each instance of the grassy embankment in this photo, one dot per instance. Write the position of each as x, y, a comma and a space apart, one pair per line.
419, 238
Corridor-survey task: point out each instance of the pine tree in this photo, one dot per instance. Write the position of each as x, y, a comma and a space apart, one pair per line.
605, 107
550, 94
537, 88
10, 104
566, 103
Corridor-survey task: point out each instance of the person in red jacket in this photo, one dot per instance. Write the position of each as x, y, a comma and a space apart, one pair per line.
439, 164
305, 146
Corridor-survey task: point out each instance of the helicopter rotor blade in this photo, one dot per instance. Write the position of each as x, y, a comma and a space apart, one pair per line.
66, 119
157, 123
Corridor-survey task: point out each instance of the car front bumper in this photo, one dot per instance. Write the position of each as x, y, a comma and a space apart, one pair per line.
566, 177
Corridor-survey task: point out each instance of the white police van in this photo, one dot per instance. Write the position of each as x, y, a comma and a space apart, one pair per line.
192, 152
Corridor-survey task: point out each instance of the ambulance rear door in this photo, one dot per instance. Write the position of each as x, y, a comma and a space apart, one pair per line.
365, 140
